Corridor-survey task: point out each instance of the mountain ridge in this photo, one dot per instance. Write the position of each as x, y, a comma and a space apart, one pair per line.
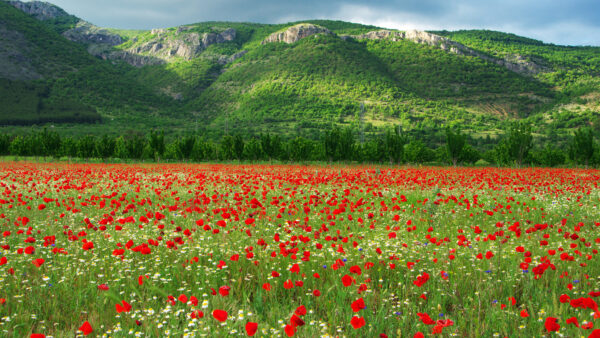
223, 73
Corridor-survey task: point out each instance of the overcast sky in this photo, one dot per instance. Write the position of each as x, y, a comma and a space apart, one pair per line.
574, 22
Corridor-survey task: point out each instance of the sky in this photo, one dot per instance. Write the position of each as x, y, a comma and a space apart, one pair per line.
569, 22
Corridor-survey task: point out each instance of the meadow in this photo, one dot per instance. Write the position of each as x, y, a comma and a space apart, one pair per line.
305, 251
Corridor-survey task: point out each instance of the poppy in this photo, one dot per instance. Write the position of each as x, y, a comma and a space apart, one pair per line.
357, 322
86, 328
251, 328
220, 315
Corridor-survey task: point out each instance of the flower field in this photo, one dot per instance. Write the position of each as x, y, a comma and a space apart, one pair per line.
216, 250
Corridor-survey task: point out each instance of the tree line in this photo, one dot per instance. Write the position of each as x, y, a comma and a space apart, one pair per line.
515, 147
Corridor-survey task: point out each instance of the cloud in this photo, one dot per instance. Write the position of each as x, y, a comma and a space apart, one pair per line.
562, 22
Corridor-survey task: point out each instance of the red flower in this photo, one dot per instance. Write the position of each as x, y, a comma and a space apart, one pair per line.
422, 279
357, 322
37, 335
267, 286
358, 305
224, 290
355, 269
551, 324
419, 335
564, 298
290, 330
220, 315
103, 287
126, 307
288, 284
86, 328
38, 262
296, 321
524, 313
3, 260
300, 310
573, 320
424, 317
251, 328
347, 280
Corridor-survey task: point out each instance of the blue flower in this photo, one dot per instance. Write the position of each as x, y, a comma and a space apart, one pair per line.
344, 259
576, 281
324, 266
488, 271
441, 315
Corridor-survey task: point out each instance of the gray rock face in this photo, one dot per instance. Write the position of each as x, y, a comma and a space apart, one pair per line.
87, 33
40, 10
184, 44
515, 63
295, 33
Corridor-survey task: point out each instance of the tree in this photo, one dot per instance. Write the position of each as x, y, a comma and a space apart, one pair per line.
331, 142
238, 146
253, 150
519, 141
157, 143
50, 142
121, 148
186, 146
455, 143
105, 147
86, 147
346, 144
582, 146
394, 146
226, 148
135, 146
4, 144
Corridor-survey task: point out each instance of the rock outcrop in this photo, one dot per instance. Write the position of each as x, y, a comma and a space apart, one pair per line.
167, 44
40, 10
513, 62
87, 33
295, 33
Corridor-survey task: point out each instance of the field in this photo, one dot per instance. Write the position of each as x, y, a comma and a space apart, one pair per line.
218, 250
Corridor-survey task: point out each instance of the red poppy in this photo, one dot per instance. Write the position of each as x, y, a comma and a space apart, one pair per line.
358, 305
224, 290
551, 324
103, 287
524, 313
357, 322
347, 280
220, 315
290, 330
38, 262
86, 328
251, 328
300, 310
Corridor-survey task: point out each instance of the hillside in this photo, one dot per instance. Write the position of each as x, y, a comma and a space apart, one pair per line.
302, 77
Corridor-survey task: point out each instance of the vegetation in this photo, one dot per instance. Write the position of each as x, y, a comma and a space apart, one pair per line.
303, 89
337, 145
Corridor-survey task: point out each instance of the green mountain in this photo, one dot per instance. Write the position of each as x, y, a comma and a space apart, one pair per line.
223, 77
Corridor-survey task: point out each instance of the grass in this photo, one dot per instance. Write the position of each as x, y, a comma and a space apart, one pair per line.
335, 218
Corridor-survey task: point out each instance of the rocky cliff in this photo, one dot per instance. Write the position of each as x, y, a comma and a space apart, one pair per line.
40, 10
167, 45
86, 33
513, 62
295, 33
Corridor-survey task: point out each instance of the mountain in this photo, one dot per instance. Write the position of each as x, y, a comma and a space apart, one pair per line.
302, 77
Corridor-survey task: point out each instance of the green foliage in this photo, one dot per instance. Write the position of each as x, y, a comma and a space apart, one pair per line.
582, 147
455, 144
